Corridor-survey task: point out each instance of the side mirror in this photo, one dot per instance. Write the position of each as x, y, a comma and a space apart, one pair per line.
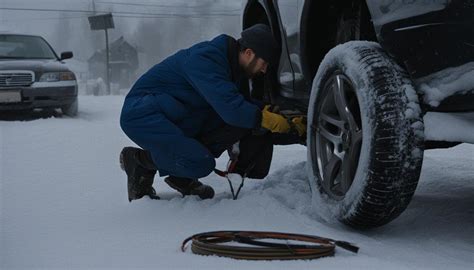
66, 55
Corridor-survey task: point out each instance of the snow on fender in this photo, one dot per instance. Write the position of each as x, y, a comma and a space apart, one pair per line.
365, 141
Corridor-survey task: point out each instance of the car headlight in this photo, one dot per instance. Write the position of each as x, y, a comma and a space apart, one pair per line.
57, 76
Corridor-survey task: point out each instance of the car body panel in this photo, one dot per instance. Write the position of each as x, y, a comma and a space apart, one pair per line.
290, 71
425, 36
387, 11
41, 97
39, 67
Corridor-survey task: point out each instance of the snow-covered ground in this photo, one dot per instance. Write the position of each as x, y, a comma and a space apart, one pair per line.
64, 205
450, 127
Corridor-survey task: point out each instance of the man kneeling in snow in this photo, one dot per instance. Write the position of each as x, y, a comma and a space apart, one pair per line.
187, 110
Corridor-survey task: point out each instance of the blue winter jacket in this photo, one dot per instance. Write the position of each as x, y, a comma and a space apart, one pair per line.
194, 90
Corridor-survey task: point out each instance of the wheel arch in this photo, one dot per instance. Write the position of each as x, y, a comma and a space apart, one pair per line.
261, 11
319, 22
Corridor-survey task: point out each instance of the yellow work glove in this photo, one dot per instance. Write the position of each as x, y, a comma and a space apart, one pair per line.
299, 123
274, 122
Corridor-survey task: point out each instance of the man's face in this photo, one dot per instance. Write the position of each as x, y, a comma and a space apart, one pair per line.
252, 65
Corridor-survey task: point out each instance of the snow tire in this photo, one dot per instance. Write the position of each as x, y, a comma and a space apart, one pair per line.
71, 110
391, 144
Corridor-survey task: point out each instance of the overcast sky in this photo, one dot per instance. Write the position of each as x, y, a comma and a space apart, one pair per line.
156, 27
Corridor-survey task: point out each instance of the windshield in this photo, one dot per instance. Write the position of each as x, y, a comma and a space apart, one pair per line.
17, 46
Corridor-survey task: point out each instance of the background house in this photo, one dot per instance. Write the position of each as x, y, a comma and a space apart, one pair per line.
123, 63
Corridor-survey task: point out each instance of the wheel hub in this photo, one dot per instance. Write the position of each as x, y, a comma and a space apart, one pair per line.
346, 140
337, 135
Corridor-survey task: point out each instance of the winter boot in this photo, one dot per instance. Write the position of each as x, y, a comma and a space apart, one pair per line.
140, 170
187, 186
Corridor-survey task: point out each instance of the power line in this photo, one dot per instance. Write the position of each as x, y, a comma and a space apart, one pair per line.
49, 10
119, 12
46, 19
116, 16
155, 5
164, 16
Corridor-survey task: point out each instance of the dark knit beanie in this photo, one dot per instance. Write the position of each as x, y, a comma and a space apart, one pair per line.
259, 38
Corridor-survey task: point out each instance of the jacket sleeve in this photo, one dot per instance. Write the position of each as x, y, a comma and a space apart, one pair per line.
208, 75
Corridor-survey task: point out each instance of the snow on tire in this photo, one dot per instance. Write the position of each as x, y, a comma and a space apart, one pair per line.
71, 109
365, 141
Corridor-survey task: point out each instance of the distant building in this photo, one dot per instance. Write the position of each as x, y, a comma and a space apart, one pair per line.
123, 63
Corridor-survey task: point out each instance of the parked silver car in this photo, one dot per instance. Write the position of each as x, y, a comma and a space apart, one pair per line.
33, 76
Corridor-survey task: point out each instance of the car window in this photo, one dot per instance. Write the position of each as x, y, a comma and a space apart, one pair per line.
16, 46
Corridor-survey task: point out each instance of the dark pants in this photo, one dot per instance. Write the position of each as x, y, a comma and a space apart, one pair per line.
176, 153
179, 155
255, 150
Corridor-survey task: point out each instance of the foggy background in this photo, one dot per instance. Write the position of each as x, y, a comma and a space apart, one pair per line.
155, 28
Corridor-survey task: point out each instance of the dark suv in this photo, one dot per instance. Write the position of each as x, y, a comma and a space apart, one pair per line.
33, 76
367, 74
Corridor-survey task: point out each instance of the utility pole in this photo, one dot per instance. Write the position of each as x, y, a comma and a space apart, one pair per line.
93, 7
107, 65
104, 22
